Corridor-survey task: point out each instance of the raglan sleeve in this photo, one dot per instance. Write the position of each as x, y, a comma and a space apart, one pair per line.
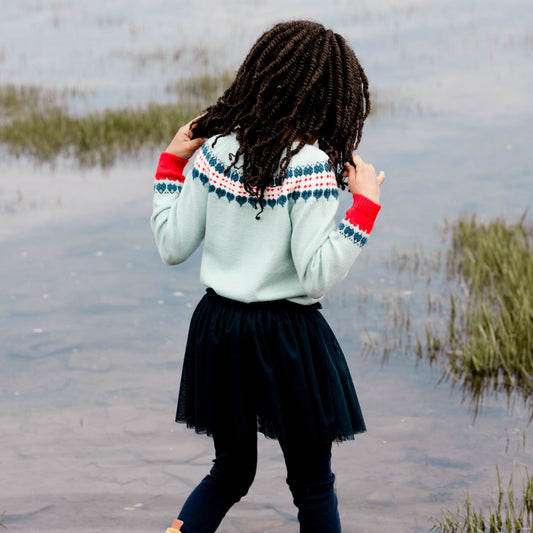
179, 208
324, 251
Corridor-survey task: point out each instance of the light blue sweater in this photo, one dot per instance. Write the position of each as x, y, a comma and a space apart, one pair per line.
295, 250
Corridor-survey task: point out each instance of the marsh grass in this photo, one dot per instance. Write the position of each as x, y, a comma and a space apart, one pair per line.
17, 101
195, 56
489, 338
38, 124
478, 326
97, 138
201, 88
506, 513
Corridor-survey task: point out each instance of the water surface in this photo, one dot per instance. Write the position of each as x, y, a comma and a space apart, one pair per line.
93, 324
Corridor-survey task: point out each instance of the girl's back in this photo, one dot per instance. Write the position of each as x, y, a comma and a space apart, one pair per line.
263, 199
292, 251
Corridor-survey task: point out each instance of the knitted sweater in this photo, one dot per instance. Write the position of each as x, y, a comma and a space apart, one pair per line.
295, 251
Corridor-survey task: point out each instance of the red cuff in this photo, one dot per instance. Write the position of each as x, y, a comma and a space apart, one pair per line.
363, 213
170, 167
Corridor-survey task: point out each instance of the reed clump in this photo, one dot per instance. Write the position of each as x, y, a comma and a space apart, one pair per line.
489, 339
97, 138
21, 100
38, 123
506, 513
478, 325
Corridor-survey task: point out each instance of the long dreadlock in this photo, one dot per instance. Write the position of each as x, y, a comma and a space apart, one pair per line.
299, 83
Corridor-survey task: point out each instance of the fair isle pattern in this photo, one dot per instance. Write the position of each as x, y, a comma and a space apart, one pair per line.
167, 186
311, 181
353, 233
312, 253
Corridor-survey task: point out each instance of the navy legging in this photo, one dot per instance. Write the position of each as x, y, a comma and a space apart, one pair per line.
309, 478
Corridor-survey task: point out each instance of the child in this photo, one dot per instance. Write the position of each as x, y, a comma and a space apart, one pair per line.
262, 198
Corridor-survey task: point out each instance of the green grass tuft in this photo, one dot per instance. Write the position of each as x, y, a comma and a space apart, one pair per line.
37, 124
506, 514
489, 339
97, 138
479, 326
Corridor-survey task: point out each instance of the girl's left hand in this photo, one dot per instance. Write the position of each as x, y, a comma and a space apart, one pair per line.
362, 178
183, 145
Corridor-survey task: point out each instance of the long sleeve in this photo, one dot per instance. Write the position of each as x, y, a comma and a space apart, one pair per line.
179, 210
322, 250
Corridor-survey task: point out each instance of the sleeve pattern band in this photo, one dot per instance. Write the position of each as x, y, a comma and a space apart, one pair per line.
359, 220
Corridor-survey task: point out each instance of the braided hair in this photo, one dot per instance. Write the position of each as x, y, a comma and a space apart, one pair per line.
300, 83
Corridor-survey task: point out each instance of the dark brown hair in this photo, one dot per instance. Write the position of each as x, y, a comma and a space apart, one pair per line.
299, 82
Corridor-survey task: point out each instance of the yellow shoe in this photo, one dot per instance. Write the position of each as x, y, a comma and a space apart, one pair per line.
175, 527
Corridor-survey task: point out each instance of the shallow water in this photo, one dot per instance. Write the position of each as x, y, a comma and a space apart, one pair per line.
93, 324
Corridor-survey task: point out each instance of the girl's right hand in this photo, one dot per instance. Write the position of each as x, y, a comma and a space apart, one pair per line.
362, 179
183, 145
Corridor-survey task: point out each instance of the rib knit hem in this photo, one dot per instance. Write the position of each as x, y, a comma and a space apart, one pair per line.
363, 213
170, 167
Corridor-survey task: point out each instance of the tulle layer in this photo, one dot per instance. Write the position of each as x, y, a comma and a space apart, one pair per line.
273, 367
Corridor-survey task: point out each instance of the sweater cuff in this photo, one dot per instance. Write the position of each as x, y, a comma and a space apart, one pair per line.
170, 167
363, 213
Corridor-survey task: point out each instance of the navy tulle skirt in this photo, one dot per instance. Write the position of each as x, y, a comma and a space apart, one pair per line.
273, 367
